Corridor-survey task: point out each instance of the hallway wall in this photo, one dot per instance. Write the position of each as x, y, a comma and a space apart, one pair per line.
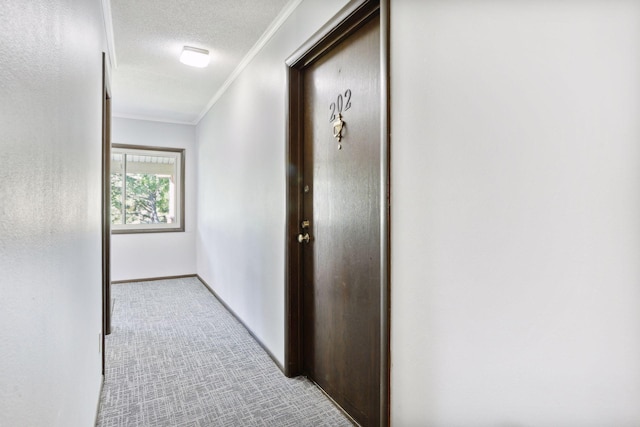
241, 182
515, 210
147, 255
516, 213
50, 225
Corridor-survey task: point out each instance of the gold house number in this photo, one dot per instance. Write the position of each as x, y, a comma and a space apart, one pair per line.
336, 121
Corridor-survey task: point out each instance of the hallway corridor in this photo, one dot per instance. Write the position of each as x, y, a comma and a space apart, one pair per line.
177, 357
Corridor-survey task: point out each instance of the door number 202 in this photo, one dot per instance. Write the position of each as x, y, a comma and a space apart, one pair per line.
341, 104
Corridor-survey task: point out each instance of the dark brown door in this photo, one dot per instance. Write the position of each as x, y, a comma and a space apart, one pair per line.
341, 201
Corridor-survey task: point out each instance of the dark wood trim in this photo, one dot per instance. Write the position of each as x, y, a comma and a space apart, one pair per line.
106, 207
293, 294
336, 404
239, 319
182, 152
385, 216
153, 279
342, 25
355, 14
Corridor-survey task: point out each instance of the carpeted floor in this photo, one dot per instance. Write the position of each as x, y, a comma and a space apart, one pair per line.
176, 357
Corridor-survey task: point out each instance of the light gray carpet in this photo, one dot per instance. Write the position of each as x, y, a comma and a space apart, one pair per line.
177, 357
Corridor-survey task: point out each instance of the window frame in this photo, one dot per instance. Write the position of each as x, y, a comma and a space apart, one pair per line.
178, 226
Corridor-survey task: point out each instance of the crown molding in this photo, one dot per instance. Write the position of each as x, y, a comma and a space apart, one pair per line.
257, 47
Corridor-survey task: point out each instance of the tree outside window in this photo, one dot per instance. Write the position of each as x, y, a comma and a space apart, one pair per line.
146, 189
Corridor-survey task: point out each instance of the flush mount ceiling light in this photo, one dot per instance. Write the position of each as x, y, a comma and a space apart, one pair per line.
194, 57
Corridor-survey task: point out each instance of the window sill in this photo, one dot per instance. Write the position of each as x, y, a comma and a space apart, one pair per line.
147, 230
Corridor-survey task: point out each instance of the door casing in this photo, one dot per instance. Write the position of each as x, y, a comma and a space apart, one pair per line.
343, 24
106, 207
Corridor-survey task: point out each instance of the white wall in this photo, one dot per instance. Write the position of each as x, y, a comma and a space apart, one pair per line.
147, 255
515, 213
50, 227
241, 176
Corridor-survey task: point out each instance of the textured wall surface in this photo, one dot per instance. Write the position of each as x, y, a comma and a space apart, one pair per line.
241, 182
146, 255
515, 213
50, 265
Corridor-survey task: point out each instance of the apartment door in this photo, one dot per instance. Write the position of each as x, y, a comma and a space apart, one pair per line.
340, 229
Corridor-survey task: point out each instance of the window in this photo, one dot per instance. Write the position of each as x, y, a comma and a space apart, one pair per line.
147, 189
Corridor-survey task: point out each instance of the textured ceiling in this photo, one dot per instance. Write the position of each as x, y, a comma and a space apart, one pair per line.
149, 82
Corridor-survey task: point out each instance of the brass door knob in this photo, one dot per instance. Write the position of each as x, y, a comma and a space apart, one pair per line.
303, 238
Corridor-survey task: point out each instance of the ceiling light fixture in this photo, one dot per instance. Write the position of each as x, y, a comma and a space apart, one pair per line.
194, 57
